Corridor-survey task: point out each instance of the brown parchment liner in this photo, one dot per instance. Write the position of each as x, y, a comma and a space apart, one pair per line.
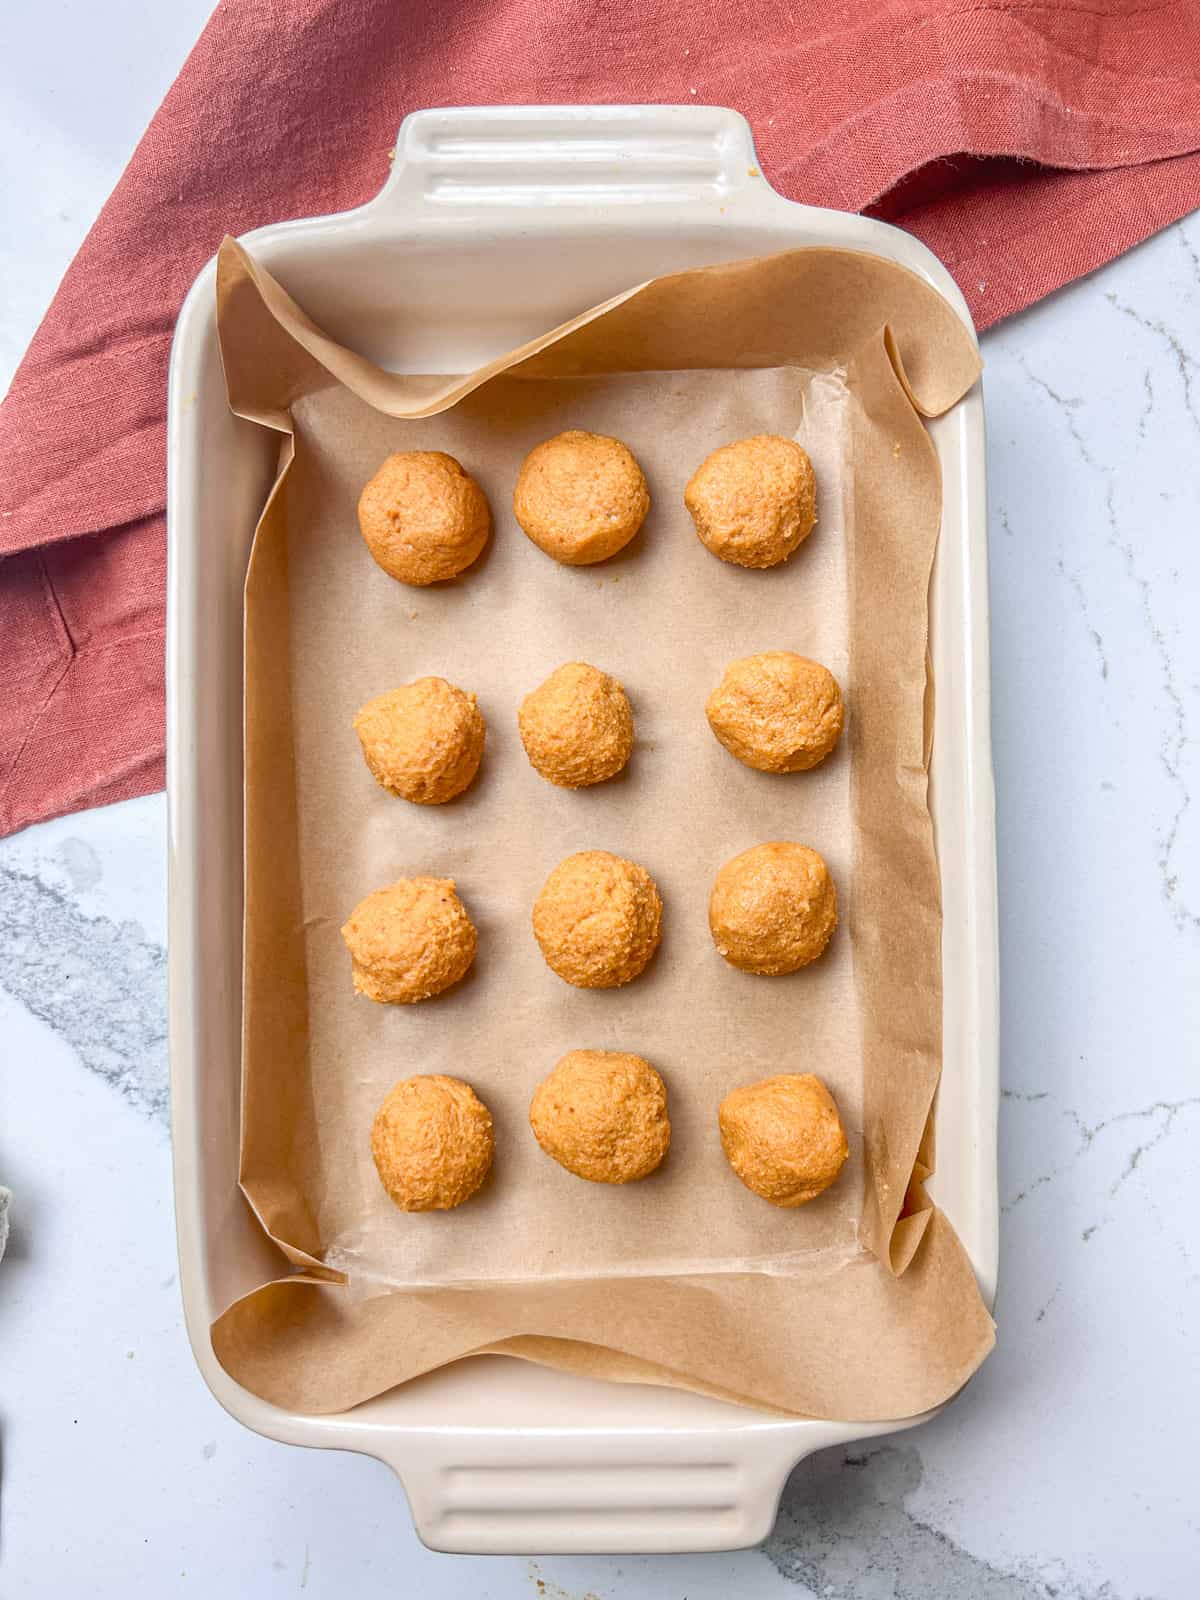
879, 1322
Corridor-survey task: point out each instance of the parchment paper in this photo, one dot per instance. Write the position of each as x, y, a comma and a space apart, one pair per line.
685, 1276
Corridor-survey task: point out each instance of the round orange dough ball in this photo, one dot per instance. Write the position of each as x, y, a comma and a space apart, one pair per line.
423, 518
409, 941
773, 909
424, 741
598, 920
580, 497
777, 712
754, 501
577, 727
432, 1141
783, 1137
602, 1115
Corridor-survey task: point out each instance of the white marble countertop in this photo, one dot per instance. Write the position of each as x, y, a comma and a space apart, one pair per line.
1068, 1467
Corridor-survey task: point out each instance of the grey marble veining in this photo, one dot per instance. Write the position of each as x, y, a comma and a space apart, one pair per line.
846, 1532
100, 984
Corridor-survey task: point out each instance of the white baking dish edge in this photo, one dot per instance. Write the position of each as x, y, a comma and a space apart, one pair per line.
562, 1464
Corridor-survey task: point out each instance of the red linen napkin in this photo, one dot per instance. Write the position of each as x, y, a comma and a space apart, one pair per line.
1026, 143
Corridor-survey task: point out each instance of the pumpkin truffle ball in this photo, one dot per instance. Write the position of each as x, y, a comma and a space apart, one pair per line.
783, 1137
773, 909
754, 501
777, 712
423, 518
580, 497
432, 1142
409, 941
422, 742
577, 727
602, 1115
598, 920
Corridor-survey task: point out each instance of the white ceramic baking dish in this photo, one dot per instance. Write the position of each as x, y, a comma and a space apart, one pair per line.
531, 214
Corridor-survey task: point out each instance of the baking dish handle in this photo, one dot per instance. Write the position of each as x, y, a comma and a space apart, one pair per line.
478, 171
627, 1491
589, 157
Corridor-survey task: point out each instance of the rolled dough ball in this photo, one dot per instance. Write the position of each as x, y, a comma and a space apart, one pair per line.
432, 1142
777, 712
409, 941
754, 501
783, 1137
598, 919
773, 909
580, 497
602, 1115
424, 519
424, 741
577, 727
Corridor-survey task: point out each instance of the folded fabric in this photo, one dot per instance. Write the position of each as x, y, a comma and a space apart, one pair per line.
1026, 143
